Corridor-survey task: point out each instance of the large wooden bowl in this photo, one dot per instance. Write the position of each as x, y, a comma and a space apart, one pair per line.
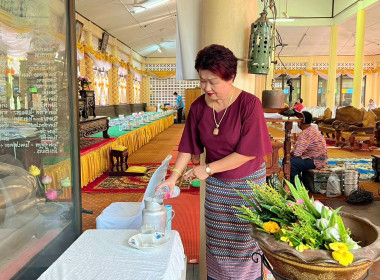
319, 264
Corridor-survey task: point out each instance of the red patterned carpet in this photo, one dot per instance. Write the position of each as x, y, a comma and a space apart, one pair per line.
186, 222
130, 184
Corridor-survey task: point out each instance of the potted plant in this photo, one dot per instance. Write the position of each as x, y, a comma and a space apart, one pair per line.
304, 239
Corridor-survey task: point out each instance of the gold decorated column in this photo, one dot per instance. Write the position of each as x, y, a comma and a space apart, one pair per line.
359, 58
130, 86
144, 87
113, 79
89, 63
331, 82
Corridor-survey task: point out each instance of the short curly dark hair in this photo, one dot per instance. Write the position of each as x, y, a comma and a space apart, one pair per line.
308, 117
219, 60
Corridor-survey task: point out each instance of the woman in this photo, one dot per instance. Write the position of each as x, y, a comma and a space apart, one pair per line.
229, 123
372, 105
298, 106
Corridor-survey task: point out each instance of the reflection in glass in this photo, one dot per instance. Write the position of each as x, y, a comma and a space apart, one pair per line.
36, 200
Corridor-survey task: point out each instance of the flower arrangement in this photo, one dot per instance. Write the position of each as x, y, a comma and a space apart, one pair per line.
84, 82
300, 221
165, 108
35, 171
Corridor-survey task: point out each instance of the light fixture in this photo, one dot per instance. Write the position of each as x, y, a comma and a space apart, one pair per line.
150, 4
159, 50
281, 20
260, 45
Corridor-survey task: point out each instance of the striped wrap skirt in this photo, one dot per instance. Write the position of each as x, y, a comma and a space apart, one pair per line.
228, 243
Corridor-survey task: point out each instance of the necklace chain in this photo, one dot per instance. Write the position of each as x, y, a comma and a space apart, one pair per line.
213, 112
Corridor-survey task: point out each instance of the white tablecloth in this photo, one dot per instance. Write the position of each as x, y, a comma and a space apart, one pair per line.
105, 254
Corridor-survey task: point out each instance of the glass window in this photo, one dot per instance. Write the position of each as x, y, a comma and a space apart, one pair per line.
281, 82
38, 181
345, 89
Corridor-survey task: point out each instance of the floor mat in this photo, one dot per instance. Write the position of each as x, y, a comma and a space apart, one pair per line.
130, 184
363, 165
186, 222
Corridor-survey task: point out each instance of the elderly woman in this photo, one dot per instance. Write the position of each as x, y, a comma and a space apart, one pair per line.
229, 123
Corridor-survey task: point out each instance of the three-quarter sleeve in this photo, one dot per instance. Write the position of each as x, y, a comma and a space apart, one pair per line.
254, 139
190, 141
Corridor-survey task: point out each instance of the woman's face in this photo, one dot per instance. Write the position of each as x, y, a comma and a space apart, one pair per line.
213, 86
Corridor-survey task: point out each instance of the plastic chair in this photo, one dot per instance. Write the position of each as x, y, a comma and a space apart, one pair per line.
128, 215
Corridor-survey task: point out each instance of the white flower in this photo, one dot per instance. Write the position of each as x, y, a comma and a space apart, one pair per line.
318, 205
332, 233
322, 224
352, 245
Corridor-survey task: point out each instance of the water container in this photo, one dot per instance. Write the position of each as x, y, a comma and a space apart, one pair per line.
170, 216
164, 193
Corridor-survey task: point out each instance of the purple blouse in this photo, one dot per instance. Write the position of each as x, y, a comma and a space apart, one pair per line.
243, 130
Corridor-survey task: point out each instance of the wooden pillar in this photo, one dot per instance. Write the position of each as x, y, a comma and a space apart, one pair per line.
359, 58
332, 68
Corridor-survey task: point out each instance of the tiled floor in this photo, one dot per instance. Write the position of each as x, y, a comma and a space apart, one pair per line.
370, 211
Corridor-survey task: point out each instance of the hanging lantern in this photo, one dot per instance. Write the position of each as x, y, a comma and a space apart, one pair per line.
260, 46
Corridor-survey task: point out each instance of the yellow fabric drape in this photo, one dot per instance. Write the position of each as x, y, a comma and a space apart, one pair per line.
96, 162
57, 172
163, 74
141, 136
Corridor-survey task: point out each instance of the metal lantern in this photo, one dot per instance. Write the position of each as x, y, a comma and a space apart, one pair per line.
260, 46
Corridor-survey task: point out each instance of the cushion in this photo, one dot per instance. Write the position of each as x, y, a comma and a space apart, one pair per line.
327, 114
119, 148
369, 119
136, 169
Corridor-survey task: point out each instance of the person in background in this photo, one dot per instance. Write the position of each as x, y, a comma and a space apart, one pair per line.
230, 124
180, 106
310, 150
372, 105
298, 106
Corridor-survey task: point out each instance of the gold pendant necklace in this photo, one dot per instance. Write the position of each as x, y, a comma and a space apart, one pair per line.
216, 129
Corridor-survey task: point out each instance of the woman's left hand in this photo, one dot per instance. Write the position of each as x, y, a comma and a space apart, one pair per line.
198, 172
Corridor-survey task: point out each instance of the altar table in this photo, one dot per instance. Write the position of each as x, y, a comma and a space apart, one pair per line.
105, 254
97, 161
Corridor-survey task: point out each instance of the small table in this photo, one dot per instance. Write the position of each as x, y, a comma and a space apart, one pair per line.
121, 158
105, 254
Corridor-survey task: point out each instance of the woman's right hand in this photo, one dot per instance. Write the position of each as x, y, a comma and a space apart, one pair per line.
170, 183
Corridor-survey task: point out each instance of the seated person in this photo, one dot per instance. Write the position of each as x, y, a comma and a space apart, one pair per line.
298, 106
372, 105
310, 151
